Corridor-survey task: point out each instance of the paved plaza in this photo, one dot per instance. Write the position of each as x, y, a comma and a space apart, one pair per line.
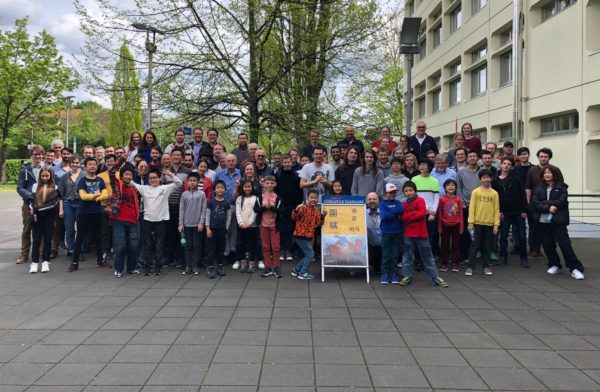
516, 330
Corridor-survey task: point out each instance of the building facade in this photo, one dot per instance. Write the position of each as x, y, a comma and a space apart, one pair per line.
464, 73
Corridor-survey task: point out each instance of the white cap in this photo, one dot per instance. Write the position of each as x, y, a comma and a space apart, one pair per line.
389, 187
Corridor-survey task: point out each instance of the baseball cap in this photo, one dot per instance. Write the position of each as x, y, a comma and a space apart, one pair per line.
389, 187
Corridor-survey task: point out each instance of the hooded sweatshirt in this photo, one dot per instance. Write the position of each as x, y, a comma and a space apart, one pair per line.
391, 211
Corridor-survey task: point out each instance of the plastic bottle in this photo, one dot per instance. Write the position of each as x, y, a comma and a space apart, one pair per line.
182, 239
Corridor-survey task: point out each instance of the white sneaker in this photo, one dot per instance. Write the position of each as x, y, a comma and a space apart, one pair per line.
45, 266
261, 265
576, 274
34, 268
553, 270
236, 265
289, 258
281, 258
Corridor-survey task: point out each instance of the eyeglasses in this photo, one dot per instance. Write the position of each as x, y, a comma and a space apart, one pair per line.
260, 156
153, 178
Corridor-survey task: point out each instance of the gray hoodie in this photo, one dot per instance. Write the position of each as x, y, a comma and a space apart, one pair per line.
192, 208
467, 181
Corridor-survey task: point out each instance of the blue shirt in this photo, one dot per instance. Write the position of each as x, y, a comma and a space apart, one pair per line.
58, 171
229, 182
442, 177
373, 227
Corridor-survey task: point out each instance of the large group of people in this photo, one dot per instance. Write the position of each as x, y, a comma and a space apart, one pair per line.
194, 205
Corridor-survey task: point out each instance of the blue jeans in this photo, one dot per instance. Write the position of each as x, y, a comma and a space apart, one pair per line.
71, 208
518, 225
422, 244
390, 244
307, 249
125, 244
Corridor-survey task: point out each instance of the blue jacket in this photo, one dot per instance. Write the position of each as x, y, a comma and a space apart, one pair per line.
25, 182
390, 211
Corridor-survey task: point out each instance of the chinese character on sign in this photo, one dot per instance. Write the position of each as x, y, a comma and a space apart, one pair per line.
333, 225
333, 212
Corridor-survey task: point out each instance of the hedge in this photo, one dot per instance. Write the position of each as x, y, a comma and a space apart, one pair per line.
13, 166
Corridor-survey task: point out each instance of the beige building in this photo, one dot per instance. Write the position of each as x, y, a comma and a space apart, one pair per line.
464, 73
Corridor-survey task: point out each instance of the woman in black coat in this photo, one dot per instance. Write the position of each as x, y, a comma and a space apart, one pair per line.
551, 209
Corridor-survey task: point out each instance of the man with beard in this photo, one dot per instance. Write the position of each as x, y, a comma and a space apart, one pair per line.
241, 151
179, 143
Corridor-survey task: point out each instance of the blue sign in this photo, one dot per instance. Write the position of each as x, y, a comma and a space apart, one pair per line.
332, 199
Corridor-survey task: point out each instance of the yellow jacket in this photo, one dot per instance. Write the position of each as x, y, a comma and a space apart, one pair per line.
484, 208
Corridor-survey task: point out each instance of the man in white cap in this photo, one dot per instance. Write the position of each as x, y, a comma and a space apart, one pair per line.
391, 233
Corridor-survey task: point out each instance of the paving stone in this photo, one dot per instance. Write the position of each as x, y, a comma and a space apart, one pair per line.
232, 374
170, 388
154, 337
374, 325
323, 324
239, 354
85, 323
342, 375
248, 324
167, 324
9, 351
339, 338
288, 354
422, 325
92, 353
339, 355
134, 323
190, 354
71, 374
40, 353
290, 324
66, 337
111, 337
199, 337
124, 374
110, 388
388, 356
519, 341
540, 359
509, 379
386, 376
178, 374
472, 340
287, 375
459, 378
489, 358
137, 353
565, 379
425, 339
22, 373
438, 357
583, 359
383, 339
207, 324
244, 338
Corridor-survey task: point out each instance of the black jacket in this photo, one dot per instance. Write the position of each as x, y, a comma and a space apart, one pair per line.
512, 195
288, 188
25, 182
420, 149
558, 197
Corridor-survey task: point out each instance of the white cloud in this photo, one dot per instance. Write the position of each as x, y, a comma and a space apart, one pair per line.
9, 11
65, 29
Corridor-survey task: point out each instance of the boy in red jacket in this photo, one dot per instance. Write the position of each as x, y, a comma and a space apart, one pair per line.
415, 236
450, 225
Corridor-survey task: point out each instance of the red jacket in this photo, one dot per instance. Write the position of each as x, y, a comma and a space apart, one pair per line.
414, 217
450, 212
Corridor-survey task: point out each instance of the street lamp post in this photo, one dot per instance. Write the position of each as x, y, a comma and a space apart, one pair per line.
409, 35
67, 100
151, 49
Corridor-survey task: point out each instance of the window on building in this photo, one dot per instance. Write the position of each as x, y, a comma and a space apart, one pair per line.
479, 81
505, 132
437, 35
410, 8
435, 80
455, 69
477, 5
481, 134
455, 92
436, 101
421, 107
422, 49
506, 37
455, 19
506, 68
556, 125
555, 7
479, 54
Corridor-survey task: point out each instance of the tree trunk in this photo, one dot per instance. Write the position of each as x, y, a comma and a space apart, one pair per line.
3, 151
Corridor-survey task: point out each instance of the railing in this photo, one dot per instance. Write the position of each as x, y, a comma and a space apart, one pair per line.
585, 208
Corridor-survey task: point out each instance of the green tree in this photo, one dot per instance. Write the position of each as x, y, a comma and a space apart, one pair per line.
32, 75
126, 100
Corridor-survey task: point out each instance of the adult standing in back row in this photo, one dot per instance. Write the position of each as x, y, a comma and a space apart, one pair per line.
421, 142
472, 142
351, 140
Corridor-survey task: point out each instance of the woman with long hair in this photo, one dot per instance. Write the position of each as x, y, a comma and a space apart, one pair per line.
131, 150
206, 183
345, 173
551, 206
411, 169
368, 178
44, 199
459, 142
69, 200
405, 144
472, 142
149, 141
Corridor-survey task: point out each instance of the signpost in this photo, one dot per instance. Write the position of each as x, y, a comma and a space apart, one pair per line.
344, 234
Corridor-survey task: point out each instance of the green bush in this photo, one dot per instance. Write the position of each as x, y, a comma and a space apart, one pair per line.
13, 166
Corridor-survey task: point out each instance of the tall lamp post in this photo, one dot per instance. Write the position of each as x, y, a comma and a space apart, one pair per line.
151, 48
67, 100
409, 35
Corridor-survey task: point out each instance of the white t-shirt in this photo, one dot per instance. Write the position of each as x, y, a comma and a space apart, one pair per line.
310, 171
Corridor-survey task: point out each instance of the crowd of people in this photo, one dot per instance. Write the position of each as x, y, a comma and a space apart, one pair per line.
194, 205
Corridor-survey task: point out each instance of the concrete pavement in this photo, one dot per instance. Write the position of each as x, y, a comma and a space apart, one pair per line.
515, 330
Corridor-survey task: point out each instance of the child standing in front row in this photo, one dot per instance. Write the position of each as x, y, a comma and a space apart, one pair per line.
268, 214
484, 219
308, 218
192, 212
415, 236
218, 217
450, 225
245, 212
391, 233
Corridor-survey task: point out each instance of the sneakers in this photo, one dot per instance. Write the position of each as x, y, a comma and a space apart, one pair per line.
395, 279
187, 271
438, 281
221, 270
384, 279
103, 264
53, 254
277, 273
45, 266
469, 271
33, 268
118, 274
281, 258
494, 256
576, 274
236, 265
211, 272
267, 272
487, 271
455, 268
295, 273
444, 268
306, 276
73, 267
525, 263
243, 267
289, 257
261, 265
405, 281
134, 272
553, 270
